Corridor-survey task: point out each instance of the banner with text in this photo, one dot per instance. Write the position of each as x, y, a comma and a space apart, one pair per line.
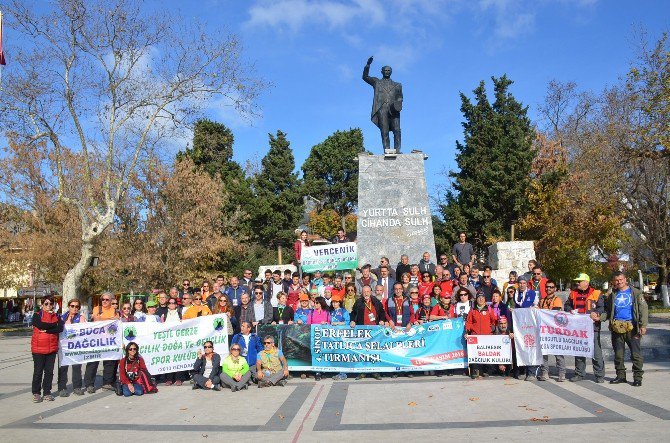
333, 257
526, 337
562, 333
172, 347
431, 346
85, 342
490, 349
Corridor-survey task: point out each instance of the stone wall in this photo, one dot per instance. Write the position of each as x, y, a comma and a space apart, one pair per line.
510, 256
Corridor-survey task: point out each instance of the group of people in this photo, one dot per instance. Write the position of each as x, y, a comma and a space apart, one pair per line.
423, 292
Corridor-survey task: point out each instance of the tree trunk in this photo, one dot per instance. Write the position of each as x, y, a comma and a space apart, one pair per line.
72, 281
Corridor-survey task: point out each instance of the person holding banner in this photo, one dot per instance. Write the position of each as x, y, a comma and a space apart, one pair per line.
271, 367
586, 300
207, 368
72, 316
504, 327
422, 315
628, 315
105, 311
480, 321
500, 309
198, 309
44, 347
553, 303
174, 316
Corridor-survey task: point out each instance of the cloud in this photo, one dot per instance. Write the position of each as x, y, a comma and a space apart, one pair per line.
511, 18
294, 14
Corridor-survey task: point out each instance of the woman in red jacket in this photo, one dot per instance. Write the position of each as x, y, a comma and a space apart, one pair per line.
133, 373
44, 347
481, 321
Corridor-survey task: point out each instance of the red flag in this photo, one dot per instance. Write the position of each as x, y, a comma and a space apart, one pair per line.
2, 55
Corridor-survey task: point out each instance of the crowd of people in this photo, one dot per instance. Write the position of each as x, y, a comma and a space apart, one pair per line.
410, 294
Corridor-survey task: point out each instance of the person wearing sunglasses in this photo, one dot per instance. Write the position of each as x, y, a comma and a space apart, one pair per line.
72, 316
174, 315
139, 310
207, 368
271, 366
133, 373
539, 282
198, 309
44, 347
235, 369
105, 311
262, 307
224, 306
125, 315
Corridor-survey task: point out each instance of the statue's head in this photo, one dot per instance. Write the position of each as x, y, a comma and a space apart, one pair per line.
386, 72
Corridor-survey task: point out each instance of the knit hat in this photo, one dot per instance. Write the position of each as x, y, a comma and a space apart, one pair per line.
304, 297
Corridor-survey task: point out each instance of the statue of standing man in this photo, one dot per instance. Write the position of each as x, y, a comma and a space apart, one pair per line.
386, 105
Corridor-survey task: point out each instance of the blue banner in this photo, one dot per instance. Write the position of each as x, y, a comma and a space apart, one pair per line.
431, 346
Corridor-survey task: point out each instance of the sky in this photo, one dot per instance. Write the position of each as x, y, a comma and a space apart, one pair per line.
313, 53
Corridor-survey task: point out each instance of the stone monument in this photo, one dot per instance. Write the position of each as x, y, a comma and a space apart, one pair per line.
508, 256
393, 212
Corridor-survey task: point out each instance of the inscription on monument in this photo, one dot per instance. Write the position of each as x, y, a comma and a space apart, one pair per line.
393, 213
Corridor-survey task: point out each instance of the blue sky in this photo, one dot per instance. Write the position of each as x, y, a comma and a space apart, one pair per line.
313, 51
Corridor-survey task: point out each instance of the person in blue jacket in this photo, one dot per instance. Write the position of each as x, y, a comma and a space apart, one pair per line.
250, 345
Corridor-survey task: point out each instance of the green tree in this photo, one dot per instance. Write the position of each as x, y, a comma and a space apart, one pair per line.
489, 191
330, 173
278, 205
213, 152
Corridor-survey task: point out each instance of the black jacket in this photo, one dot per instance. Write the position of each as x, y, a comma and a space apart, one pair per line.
199, 366
400, 270
358, 311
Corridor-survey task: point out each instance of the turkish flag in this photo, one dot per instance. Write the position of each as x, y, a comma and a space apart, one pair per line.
472, 340
2, 54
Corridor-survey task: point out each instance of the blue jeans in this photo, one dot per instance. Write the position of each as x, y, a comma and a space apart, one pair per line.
138, 390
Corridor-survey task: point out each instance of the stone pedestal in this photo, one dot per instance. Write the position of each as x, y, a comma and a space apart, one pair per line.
509, 256
393, 212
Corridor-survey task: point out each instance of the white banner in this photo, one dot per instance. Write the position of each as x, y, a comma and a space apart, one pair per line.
331, 257
526, 337
562, 333
490, 349
172, 347
84, 342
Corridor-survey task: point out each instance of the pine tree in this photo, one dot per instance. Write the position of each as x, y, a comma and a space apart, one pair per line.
278, 205
489, 191
330, 173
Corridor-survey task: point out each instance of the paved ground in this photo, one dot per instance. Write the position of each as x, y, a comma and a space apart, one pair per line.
422, 408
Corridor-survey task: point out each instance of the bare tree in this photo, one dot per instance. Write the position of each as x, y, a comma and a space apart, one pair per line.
103, 83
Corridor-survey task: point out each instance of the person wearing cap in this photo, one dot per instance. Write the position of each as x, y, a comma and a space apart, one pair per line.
151, 316
302, 313
553, 303
525, 297
504, 327
628, 315
584, 299
480, 321
339, 317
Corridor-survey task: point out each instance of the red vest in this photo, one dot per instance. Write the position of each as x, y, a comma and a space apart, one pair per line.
43, 343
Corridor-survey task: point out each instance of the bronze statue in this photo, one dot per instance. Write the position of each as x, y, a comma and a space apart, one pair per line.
386, 105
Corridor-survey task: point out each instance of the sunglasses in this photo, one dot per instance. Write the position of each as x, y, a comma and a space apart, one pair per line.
138, 302
268, 342
551, 287
208, 346
414, 293
104, 299
223, 301
126, 308
47, 303
172, 303
132, 349
463, 294
198, 299
75, 306
235, 349
258, 292
537, 273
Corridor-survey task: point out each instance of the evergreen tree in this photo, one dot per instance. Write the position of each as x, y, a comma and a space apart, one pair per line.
278, 205
213, 152
489, 191
330, 173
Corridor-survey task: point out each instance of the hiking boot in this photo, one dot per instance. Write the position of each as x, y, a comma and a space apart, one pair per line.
90, 390
561, 378
600, 380
63, 393
637, 383
37, 398
108, 387
360, 376
377, 376
541, 378
576, 378
618, 380
317, 376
